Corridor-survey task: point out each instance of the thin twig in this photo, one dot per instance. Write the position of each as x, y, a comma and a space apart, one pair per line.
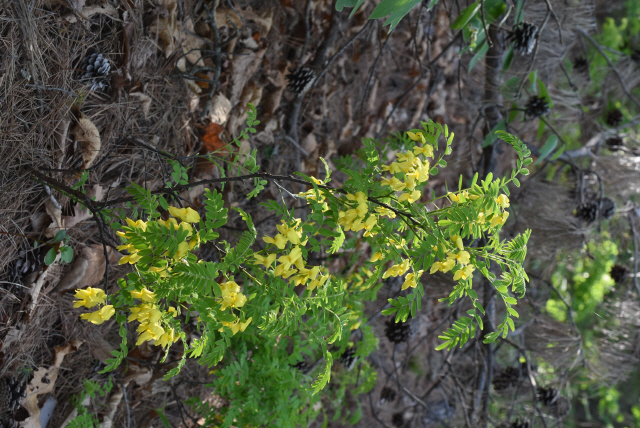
611, 65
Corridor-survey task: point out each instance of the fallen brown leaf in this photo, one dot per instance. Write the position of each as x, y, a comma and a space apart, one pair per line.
211, 141
82, 214
43, 382
89, 11
87, 134
144, 100
167, 27
55, 214
88, 268
244, 65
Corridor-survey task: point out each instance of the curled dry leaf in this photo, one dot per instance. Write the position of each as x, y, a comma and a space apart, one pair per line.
86, 133
244, 65
145, 101
191, 43
114, 401
82, 214
88, 268
89, 11
44, 382
220, 108
166, 27
57, 222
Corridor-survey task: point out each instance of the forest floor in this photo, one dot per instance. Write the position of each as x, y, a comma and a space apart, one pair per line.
154, 104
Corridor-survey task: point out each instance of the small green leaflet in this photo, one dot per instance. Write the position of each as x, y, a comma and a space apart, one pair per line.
396, 8
479, 55
549, 146
465, 16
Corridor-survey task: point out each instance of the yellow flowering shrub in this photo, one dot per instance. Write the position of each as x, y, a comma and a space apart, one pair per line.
280, 290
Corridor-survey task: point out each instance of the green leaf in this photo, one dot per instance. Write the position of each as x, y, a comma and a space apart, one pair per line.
59, 236
547, 148
50, 257
466, 15
66, 254
479, 55
492, 136
396, 8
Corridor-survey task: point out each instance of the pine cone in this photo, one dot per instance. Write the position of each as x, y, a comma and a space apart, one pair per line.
524, 37
300, 79
588, 212
547, 396
25, 263
387, 394
518, 423
508, 377
95, 68
7, 422
618, 273
614, 142
348, 357
614, 118
581, 65
397, 419
397, 332
536, 107
608, 208
12, 391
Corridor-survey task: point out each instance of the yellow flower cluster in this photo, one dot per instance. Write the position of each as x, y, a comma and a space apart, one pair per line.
237, 325
187, 217
415, 170
462, 258
354, 218
231, 296
292, 263
150, 316
90, 297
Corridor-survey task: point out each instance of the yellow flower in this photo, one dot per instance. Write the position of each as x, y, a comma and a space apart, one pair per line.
137, 224
503, 201
145, 313
186, 226
426, 150
99, 316
237, 325
166, 339
411, 280
185, 214
167, 223
173, 311
266, 261
281, 271
397, 270
464, 273
127, 247
385, 211
481, 218
454, 197
231, 296
377, 256
149, 332
393, 168
280, 241
499, 219
457, 240
195, 240
132, 258
145, 294
436, 266
89, 297
290, 258
317, 282
412, 197
447, 265
463, 257
359, 197
394, 183
416, 137
183, 249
